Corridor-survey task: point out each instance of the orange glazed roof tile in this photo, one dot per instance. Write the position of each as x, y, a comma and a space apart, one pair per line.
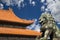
16, 31
8, 15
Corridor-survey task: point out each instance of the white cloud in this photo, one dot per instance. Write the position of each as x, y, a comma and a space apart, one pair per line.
54, 7
32, 2
20, 2
37, 28
1, 6
34, 26
42, 1
13, 2
43, 8
49, 1
58, 23
6, 1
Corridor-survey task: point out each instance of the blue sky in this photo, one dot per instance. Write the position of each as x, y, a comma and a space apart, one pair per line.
28, 11
32, 9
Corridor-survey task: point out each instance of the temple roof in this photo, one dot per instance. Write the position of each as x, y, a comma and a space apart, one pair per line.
8, 15
4, 30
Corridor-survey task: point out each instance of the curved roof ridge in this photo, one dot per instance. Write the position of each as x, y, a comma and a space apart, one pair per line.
9, 15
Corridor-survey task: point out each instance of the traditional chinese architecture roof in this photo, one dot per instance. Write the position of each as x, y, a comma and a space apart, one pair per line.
15, 31
8, 15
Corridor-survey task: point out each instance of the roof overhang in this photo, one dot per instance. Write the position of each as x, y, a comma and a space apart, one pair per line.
16, 31
8, 15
